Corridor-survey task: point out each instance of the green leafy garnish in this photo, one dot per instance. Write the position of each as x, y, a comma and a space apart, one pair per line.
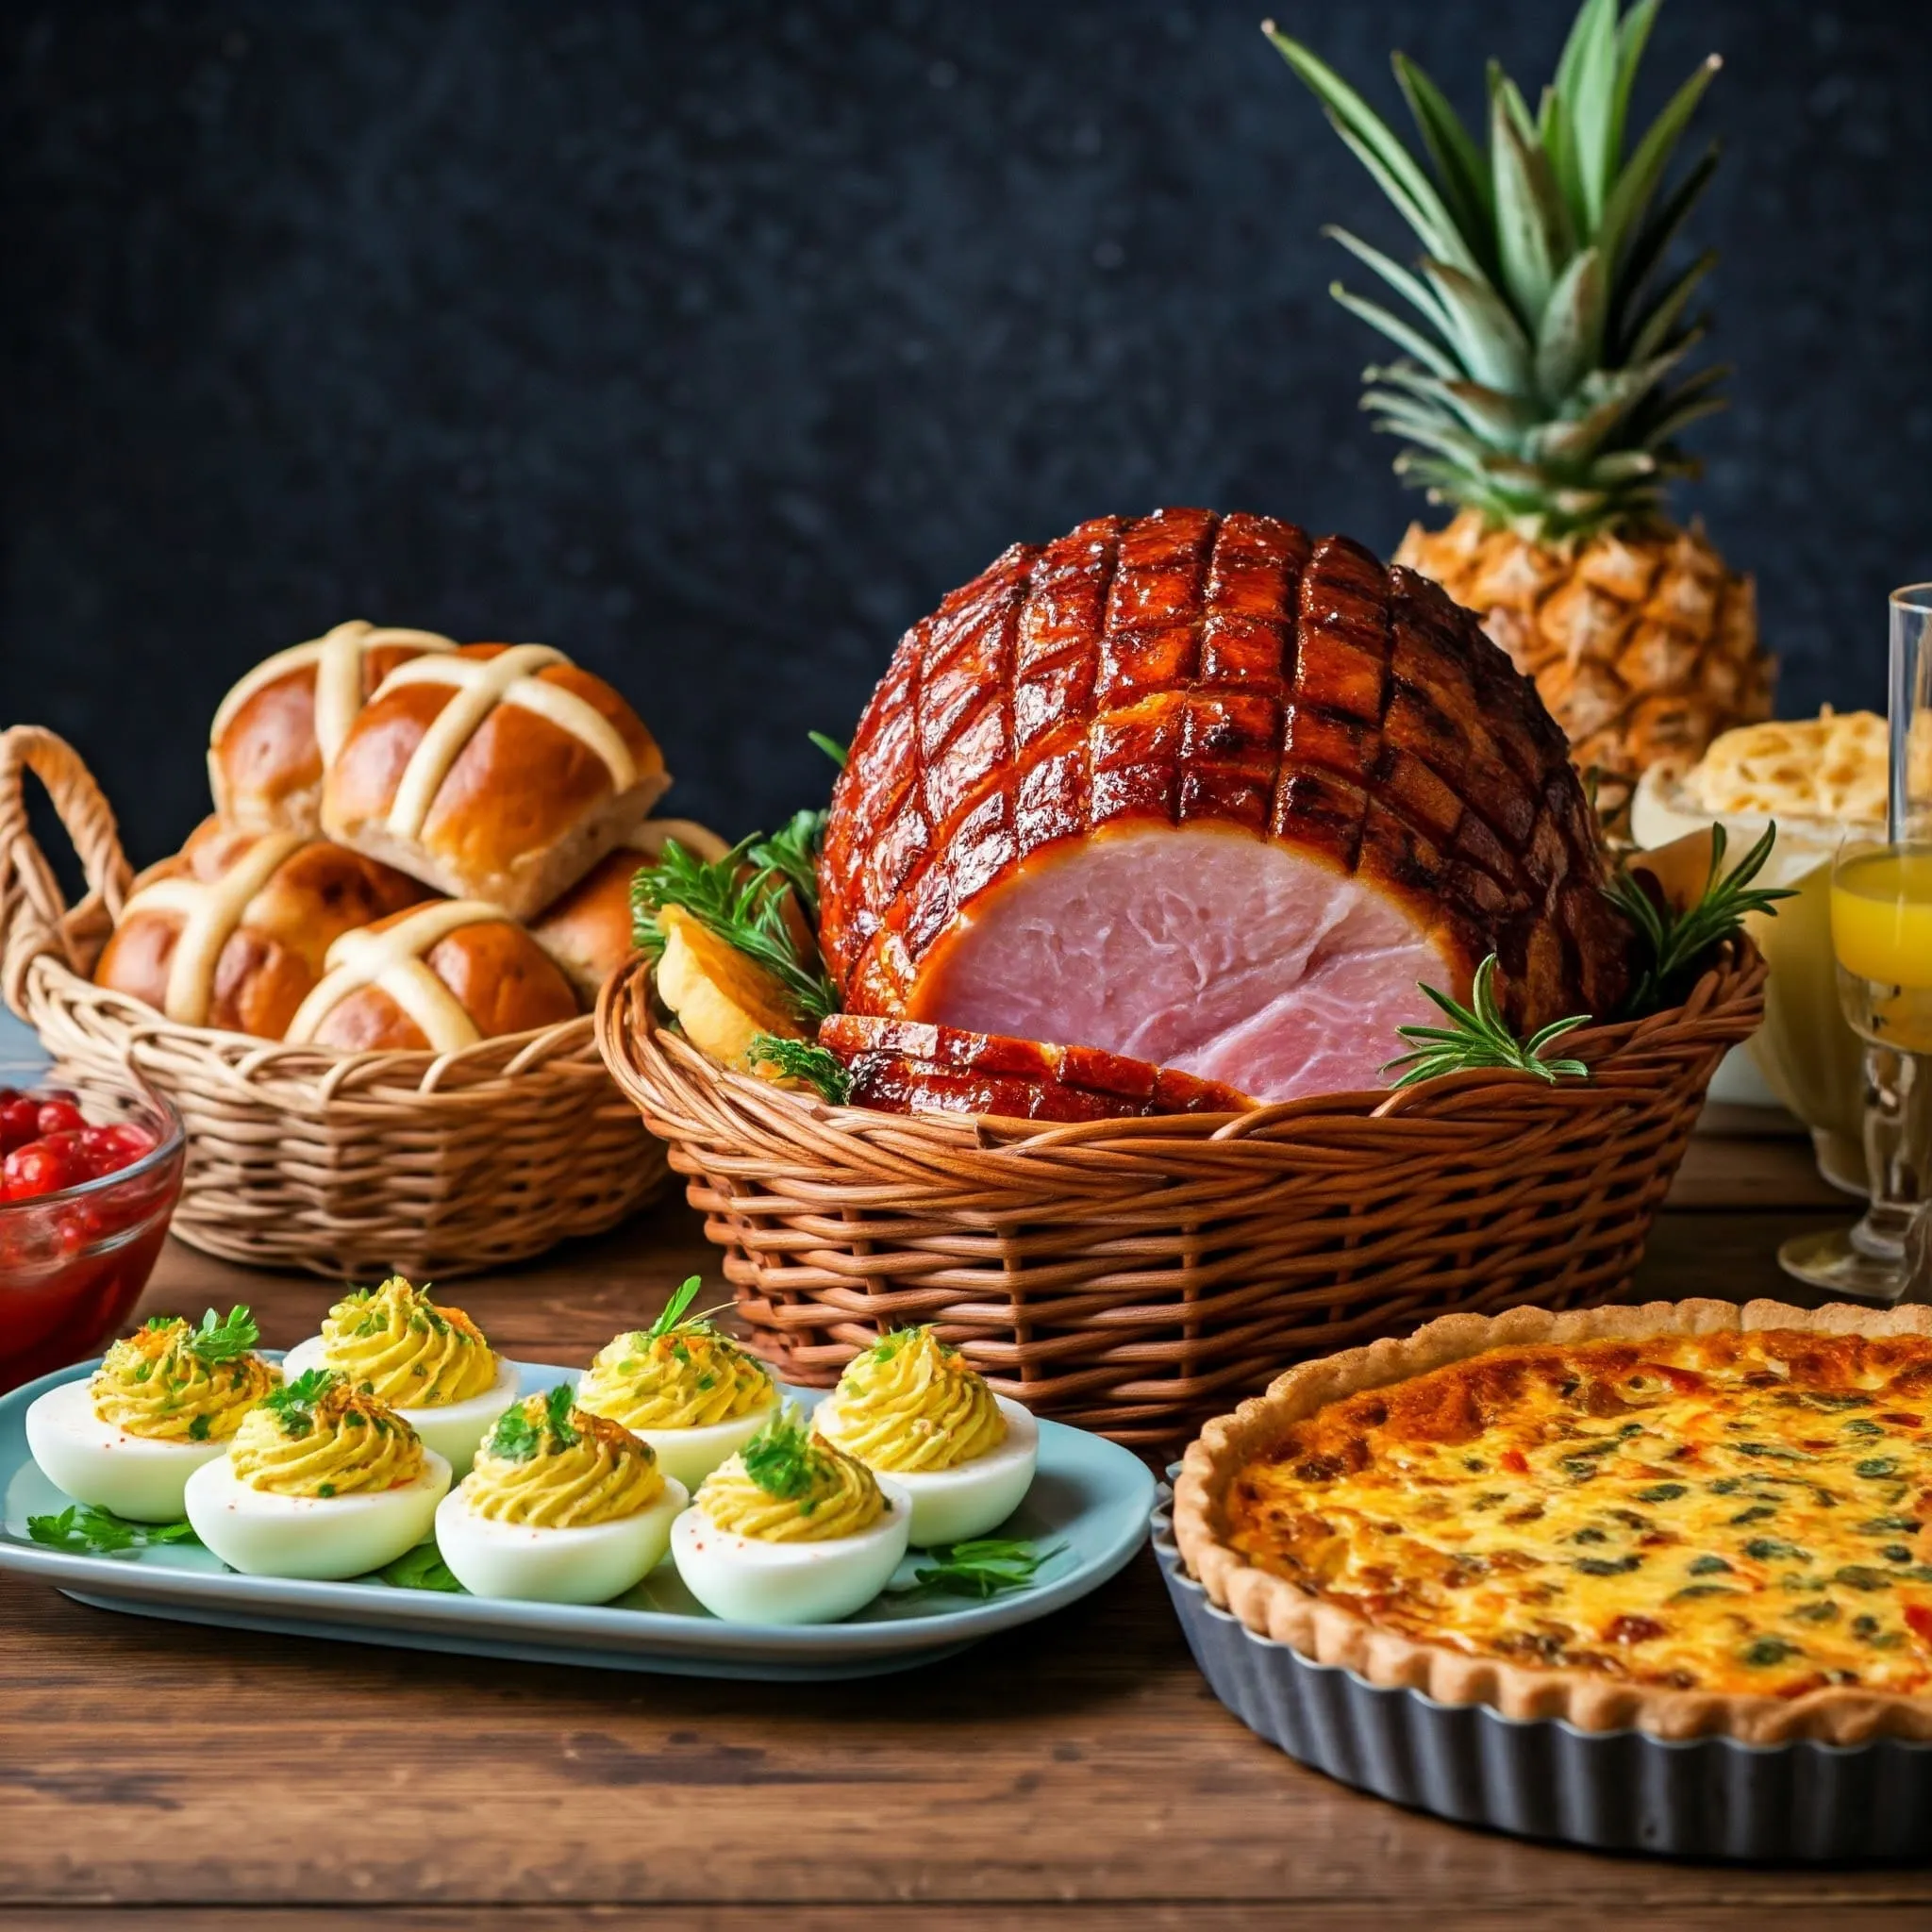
983, 1568
793, 853
219, 1340
819, 1067
830, 746
422, 1568
1677, 942
779, 1457
294, 1404
1480, 1037
85, 1528
742, 901
515, 1437
674, 1319
673, 1316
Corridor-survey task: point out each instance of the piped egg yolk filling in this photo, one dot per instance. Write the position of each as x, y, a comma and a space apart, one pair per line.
912, 1403
317, 1435
393, 1343
550, 1465
688, 1379
787, 1486
152, 1384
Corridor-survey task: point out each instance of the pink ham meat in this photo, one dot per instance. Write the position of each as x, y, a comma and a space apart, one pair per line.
1204, 792
903, 1066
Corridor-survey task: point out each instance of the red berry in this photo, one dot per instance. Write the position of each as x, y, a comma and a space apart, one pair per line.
34, 1169
100, 1151
132, 1143
20, 1120
60, 1116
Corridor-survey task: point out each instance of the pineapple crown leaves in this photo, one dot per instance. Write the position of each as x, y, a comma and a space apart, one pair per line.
1541, 375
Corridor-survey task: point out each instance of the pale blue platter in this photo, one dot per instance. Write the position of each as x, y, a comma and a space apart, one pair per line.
1090, 1494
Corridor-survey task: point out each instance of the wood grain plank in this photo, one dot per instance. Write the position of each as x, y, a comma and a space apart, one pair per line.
1188, 1915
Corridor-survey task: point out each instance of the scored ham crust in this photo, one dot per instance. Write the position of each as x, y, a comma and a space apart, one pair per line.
1210, 793
904, 1066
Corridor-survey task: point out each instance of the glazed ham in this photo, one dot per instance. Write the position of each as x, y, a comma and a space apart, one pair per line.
906, 1066
1208, 793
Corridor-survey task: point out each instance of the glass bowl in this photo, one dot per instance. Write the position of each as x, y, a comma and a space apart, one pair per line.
73, 1263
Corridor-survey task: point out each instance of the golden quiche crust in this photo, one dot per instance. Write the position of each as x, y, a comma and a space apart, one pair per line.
1236, 1495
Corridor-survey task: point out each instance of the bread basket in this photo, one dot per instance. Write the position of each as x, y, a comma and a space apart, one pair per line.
305, 1157
1129, 1276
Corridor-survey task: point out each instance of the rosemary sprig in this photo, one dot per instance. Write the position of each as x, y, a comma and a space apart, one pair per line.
983, 1568
219, 1340
89, 1530
742, 901
1677, 942
1480, 1037
799, 1060
793, 853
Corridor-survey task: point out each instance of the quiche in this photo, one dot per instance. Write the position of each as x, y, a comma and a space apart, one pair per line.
1690, 1517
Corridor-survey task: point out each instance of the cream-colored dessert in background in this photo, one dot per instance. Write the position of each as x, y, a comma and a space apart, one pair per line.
1821, 780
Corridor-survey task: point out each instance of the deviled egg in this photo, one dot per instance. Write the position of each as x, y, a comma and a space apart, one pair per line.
427, 1363
164, 1400
913, 1408
693, 1393
561, 1507
790, 1530
321, 1480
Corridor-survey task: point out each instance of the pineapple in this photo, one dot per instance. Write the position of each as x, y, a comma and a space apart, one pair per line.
1543, 390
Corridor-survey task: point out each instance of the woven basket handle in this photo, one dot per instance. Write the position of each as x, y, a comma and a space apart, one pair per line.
32, 906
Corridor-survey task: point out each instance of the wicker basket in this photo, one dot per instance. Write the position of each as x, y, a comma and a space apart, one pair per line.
1129, 1276
303, 1157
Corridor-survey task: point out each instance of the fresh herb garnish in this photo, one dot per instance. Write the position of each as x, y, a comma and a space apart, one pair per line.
1480, 1037
830, 746
780, 1459
91, 1531
220, 1340
983, 1568
819, 1067
422, 1568
515, 1437
740, 900
294, 1404
793, 854
675, 1319
1675, 940
672, 1315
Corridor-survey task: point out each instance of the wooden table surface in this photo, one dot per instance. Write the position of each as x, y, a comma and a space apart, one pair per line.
1074, 1774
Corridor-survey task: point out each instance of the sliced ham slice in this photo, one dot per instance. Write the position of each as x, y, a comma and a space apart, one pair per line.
903, 1066
1205, 791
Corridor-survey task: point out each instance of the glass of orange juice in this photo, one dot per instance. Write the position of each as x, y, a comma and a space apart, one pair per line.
1881, 936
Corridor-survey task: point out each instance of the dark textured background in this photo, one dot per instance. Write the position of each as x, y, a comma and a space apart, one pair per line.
715, 343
